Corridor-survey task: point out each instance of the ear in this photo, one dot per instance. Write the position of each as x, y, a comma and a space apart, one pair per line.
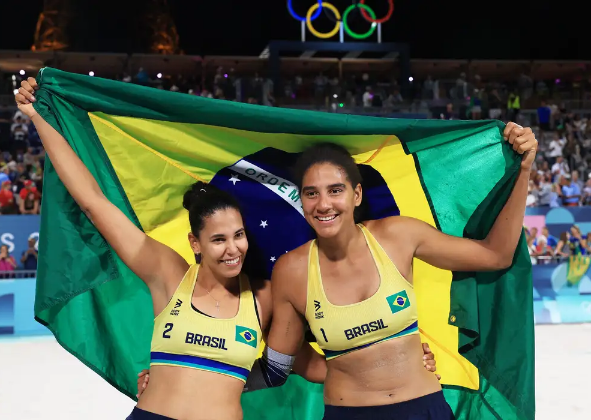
194, 242
358, 194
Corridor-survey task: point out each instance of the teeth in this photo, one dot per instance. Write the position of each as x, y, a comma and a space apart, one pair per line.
232, 262
327, 219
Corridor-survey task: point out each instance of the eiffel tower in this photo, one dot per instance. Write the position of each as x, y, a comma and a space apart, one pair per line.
51, 32
164, 36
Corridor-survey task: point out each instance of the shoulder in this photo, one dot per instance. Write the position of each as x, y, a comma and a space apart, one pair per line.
392, 225
291, 269
295, 261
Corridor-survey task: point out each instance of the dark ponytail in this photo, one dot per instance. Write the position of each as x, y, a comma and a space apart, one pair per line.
203, 200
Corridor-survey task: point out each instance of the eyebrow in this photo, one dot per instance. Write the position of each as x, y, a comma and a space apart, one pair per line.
311, 187
221, 235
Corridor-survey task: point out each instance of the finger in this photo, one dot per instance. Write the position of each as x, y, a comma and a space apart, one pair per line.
28, 95
508, 128
438, 376
516, 131
27, 86
426, 348
525, 143
432, 366
33, 82
429, 356
20, 99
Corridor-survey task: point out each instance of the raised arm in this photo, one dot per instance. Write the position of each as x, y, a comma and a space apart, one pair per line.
494, 252
152, 261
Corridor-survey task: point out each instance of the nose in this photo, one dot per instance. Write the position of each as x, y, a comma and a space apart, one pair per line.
232, 248
323, 203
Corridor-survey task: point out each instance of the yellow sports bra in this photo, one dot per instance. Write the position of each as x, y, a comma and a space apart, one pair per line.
183, 336
390, 313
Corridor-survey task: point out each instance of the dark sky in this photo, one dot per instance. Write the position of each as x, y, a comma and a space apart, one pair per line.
434, 29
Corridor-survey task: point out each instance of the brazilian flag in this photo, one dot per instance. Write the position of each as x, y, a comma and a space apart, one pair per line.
146, 147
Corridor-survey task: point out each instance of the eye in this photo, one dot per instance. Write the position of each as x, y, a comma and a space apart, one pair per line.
336, 190
311, 194
240, 234
219, 240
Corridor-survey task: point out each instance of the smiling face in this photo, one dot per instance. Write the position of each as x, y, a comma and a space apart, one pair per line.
222, 243
328, 199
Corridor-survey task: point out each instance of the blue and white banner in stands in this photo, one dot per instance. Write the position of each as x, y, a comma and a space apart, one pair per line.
558, 301
15, 232
17, 298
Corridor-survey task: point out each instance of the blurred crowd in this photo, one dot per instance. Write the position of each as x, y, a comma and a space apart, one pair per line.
545, 248
561, 173
21, 167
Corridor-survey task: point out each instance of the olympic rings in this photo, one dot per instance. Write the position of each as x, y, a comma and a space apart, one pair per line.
302, 19
367, 13
326, 34
363, 8
374, 20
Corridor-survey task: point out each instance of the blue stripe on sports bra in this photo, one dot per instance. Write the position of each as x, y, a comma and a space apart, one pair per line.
200, 363
410, 329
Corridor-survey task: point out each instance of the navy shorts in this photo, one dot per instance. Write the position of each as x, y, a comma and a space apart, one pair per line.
139, 414
428, 407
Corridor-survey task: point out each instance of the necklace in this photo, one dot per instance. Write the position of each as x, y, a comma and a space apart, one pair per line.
217, 302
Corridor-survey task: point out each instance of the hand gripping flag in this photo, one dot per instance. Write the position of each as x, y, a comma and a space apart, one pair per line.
146, 147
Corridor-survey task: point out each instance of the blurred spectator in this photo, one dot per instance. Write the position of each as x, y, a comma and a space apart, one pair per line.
560, 167
29, 257
7, 261
513, 106
544, 191
494, 105
449, 113
550, 240
29, 187
563, 248
30, 205
555, 149
7, 205
586, 198
368, 97
571, 194
544, 113
578, 245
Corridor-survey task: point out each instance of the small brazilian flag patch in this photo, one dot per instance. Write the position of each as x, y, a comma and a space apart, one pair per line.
246, 336
398, 301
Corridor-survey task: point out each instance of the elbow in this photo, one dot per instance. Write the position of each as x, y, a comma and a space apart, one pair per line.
504, 261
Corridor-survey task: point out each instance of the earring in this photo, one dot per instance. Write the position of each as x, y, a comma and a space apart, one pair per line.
198, 258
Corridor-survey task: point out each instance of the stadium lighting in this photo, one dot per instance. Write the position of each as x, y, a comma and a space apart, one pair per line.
22, 72
335, 96
91, 73
226, 76
159, 75
410, 79
13, 77
15, 91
